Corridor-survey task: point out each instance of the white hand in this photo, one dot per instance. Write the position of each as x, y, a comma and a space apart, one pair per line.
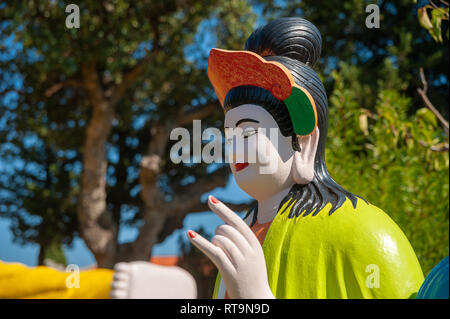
237, 253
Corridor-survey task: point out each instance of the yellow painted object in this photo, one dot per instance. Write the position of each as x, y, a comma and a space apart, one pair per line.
352, 253
20, 281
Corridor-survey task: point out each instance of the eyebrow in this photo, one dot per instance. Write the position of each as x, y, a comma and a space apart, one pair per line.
246, 120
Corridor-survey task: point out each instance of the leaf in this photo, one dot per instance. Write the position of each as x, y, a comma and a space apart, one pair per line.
424, 20
363, 124
427, 116
433, 26
436, 20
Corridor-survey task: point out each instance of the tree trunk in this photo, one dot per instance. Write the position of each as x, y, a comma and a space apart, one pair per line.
160, 218
41, 257
97, 224
155, 211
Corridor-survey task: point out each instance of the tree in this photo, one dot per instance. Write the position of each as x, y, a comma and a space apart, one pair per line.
400, 39
40, 190
88, 89
395, 160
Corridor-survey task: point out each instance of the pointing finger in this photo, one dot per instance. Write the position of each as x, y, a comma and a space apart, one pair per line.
216, 254
232, 219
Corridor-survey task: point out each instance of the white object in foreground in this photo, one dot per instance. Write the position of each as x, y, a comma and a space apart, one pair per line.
144, 280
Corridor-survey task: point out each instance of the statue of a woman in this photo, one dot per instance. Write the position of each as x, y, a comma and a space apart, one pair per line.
307, 237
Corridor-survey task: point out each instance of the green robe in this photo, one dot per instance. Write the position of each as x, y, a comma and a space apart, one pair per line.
354, 253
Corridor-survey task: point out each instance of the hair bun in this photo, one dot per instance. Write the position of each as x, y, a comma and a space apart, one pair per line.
295, 38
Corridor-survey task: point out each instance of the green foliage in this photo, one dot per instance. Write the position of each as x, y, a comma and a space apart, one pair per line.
44, 109
383, 153
399, 39
39, 194
55, 253
433, 25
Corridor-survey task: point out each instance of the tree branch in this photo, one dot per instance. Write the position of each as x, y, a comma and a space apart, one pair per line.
154, 209
56, 87
188, 199
159, 216
151, 166
5, 91
443, 10
443, 147
185, 118
129, 77
423, 94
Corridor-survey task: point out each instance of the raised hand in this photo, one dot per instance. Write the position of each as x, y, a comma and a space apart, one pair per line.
237, 254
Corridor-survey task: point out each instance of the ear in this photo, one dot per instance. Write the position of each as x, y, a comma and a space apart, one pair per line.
303, 164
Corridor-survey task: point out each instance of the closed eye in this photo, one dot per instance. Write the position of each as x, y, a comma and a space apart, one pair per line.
249, 131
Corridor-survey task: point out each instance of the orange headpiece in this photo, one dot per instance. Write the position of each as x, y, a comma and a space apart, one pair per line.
229, 69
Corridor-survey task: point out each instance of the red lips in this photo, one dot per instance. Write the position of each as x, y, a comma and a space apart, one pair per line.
240, 166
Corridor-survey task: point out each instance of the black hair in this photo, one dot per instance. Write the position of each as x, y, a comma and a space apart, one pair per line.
295, 43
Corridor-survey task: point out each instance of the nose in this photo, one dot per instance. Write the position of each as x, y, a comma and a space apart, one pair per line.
242, 151
236, 152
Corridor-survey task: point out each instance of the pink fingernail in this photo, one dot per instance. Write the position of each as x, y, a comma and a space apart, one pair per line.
192, 233
213, 199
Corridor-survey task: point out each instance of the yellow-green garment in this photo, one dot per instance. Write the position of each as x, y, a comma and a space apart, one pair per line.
20, 281
339, 255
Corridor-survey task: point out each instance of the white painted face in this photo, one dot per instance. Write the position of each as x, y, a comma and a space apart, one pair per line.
270, 170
